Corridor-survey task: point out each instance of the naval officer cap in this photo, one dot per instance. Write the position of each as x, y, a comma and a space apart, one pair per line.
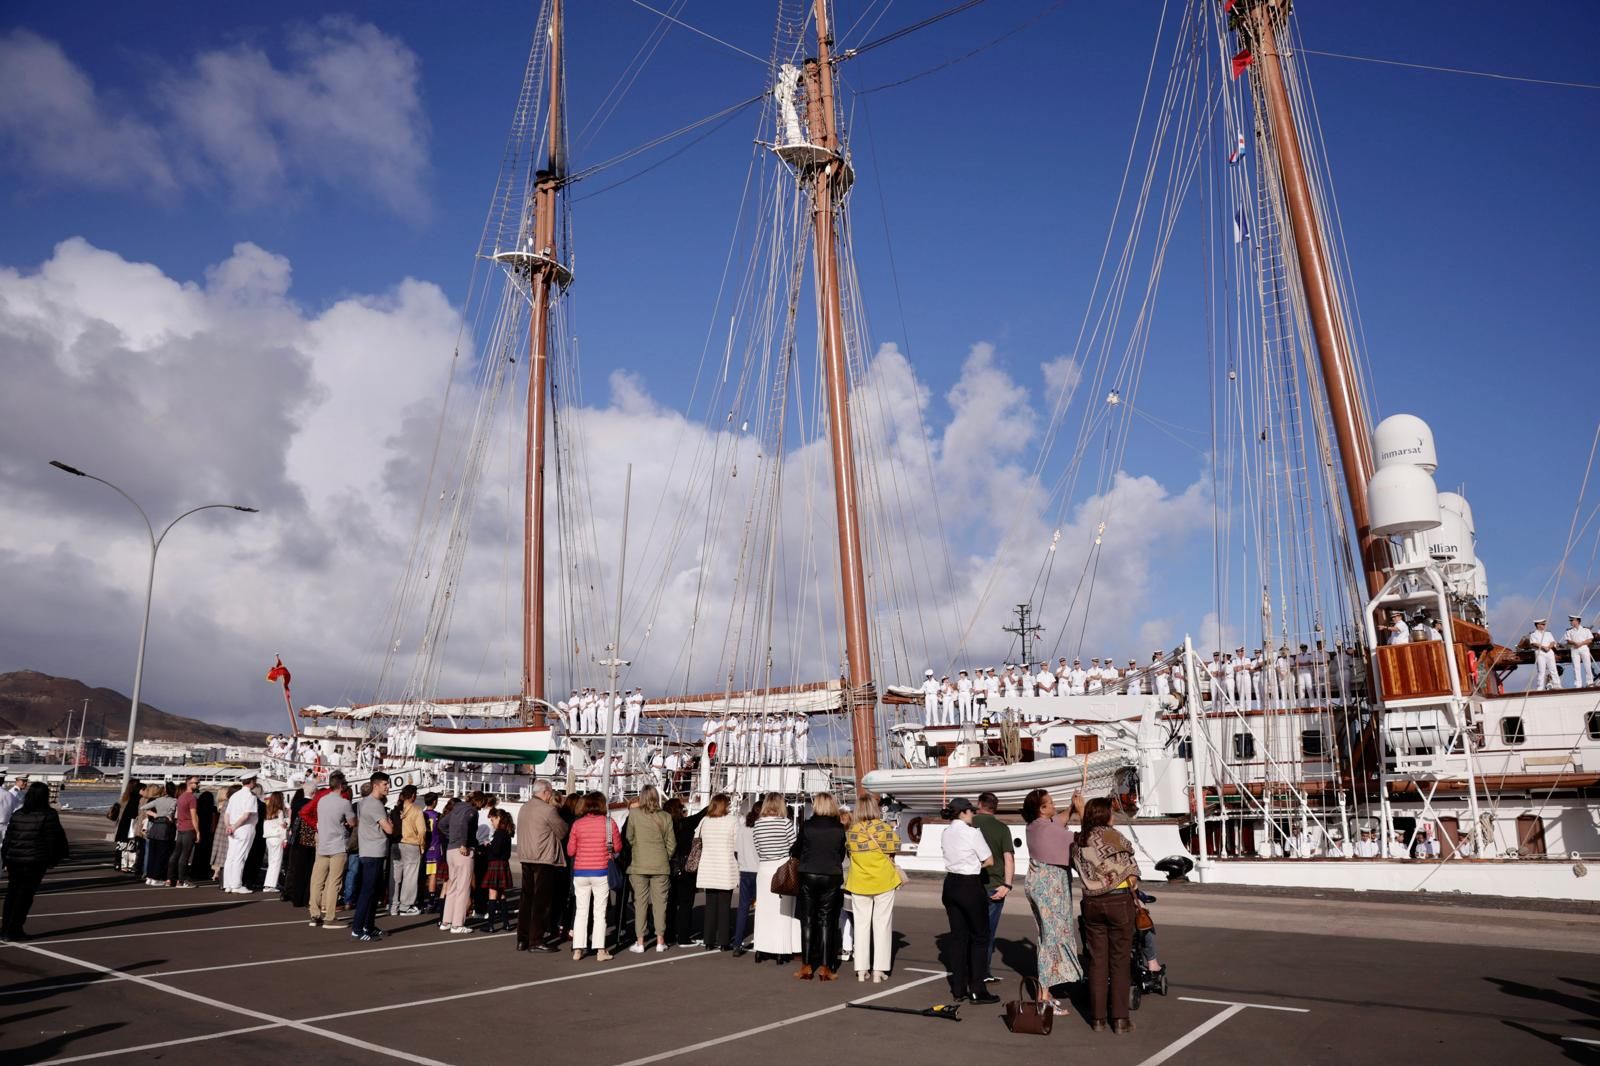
1574, 617
1540, 621
927, 673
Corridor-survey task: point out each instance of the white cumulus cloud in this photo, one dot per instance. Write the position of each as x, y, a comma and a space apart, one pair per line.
226, 389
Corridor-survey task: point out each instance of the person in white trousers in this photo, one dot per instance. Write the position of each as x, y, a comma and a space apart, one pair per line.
1543, 643
930, 699
871, 879
274, 832
239, 820
1578, 638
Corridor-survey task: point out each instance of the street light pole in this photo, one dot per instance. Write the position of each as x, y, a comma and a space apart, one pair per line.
149, 590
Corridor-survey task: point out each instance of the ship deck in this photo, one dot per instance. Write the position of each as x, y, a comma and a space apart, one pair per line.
118, 971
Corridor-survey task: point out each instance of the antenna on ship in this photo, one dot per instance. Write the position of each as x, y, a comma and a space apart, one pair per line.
817, 155
1025, 631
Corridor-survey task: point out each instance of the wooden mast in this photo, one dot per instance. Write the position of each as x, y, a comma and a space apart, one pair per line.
830, 178
1333, 350
543, 274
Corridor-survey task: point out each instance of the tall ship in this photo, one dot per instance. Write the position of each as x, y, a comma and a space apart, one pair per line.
800, 614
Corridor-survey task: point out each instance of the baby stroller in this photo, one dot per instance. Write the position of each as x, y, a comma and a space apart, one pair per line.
1144, 981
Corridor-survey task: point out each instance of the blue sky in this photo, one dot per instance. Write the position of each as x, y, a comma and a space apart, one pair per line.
1468, 203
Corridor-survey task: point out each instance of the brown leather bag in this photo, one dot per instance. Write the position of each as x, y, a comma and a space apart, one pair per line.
1028, 1013
786, 879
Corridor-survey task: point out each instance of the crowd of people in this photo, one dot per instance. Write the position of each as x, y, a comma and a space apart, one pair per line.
1267, 678
814, 888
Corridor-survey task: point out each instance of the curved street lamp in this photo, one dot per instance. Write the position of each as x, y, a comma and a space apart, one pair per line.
149, 589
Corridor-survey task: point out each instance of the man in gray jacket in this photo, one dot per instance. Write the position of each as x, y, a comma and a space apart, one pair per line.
541, 834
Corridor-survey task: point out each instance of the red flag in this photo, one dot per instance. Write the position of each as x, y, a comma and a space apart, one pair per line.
280, 672
1241, 61
1227, 7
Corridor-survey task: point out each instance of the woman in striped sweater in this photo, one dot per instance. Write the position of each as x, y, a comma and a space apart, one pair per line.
777, 928
593, 842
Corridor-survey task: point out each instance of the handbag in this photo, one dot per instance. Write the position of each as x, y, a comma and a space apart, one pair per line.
1027, 1014
1142, 920
692, 863
786, 879
161, 829
305, 834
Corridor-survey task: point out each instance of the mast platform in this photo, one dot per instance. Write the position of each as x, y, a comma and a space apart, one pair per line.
807, 158
532, 264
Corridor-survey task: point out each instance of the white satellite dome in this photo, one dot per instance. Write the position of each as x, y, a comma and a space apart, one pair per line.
1402, 499
1450, 545
1404, 440
1454, 501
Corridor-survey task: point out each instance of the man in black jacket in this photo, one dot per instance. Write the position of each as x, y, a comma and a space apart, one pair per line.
34, 842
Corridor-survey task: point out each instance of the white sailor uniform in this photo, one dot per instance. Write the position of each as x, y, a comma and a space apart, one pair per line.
1578, 638
1543, 643
930, 699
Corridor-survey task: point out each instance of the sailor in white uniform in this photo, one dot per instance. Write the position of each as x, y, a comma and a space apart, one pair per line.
1285, 668
1093, 679
786, 739
1578, 639
964, 697
1302, 677
802, 738
991, 693
1214, 673
947, 701
586, 720
1077, 679
1045, 680
1543, 643
1397, 632
930, 699
635, 708
1161, 683
1244, 679
1133, 682
1367, 846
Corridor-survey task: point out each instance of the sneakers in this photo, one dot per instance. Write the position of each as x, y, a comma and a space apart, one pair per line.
603, 955
458, 930
660, 947
315, 923
185, 884
369, 935
407, 911
637, 948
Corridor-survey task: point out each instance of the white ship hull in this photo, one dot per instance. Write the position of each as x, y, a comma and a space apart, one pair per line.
1156, 839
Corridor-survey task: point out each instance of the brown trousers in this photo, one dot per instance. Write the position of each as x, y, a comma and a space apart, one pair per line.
1108, 940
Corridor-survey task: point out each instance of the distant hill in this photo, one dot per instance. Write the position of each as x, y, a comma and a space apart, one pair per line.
35, 704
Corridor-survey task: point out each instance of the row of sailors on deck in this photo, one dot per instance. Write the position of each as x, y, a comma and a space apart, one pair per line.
1304, 677
585, 711
759, 739
324, 753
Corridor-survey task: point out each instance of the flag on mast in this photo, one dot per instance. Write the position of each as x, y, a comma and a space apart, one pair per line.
1241, 227
1241, 61
1238, 150
279, 672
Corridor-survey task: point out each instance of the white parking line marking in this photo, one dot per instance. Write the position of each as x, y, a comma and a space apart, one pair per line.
175, 907
136, 1049
1236, 1003
167, 932
1581, 1040
1192, 1035
598, 971
1211, 1023
218, 1004
456, 940
742, 1034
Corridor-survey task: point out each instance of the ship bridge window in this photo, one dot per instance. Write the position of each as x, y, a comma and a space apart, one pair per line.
1591, 725
1311, 744
1244, 746
1512, 730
